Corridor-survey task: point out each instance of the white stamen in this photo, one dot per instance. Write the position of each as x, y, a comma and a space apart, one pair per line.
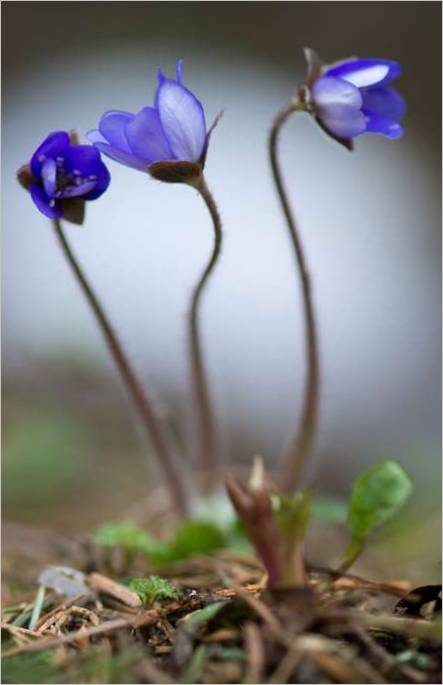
52, 203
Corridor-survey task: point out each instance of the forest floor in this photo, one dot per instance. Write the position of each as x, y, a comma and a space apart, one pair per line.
222, 626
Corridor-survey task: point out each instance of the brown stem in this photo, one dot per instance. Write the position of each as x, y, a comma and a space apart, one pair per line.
295, 460
133, 386
207, 441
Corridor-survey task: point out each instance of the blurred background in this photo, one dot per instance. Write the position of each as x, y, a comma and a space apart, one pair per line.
370, 223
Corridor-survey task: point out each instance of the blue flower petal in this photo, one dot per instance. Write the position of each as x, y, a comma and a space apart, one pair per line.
103, 180
112, 126
343, 121
383, 101
52, 146
146, 137
49, 176
366, 72
376, 123
84, 159
120, 156
183, 120
47, 206
95, 136
328, 91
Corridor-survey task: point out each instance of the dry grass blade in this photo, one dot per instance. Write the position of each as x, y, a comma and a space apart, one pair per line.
260, 608
387, 663
350, 580
407, 627
146, 618
21, 634
59, 620
337, 660
255, 654
287, 665
102, 584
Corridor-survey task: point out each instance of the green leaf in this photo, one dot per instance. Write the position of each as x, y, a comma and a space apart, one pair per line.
377, 495
195, 537
153, 589
194, 670
204, 615
131, 537
192, 537
231, 654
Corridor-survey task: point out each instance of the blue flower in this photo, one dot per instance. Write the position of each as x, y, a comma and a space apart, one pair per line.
173, 130
354, 97
61, 171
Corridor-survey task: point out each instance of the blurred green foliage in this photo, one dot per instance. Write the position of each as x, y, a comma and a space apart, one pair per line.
42, 453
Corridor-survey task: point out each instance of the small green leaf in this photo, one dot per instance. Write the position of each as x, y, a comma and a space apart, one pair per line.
202, 615
131, 537
194, 670
231, 654
196, 537
153, 589
377, 495
413, 658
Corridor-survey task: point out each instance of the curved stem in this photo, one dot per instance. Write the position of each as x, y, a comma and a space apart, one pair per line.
131, 381
296, 458
207, 441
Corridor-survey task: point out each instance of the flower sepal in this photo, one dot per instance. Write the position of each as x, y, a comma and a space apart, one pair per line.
179, 171
25, 177
74, 210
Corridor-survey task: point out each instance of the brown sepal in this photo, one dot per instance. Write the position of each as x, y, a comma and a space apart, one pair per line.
73, 137
314, 71
25, 177
74, 210
176, 172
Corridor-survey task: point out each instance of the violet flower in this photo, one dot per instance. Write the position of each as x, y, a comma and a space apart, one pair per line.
62, 174
354, 97
171, 136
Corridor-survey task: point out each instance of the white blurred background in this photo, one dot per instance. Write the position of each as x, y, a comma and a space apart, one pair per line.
370, 224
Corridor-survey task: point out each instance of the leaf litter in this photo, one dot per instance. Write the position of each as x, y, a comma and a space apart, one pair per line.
213, 621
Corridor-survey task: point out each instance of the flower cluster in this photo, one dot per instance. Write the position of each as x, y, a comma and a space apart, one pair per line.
61, 171
170, 139
173, 130
354, 97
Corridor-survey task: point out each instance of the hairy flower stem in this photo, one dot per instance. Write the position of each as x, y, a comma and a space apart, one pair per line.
298, 453
207, 442
136, 392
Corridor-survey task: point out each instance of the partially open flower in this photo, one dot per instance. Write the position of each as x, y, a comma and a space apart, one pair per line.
169, 139
354, 97
62, 175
